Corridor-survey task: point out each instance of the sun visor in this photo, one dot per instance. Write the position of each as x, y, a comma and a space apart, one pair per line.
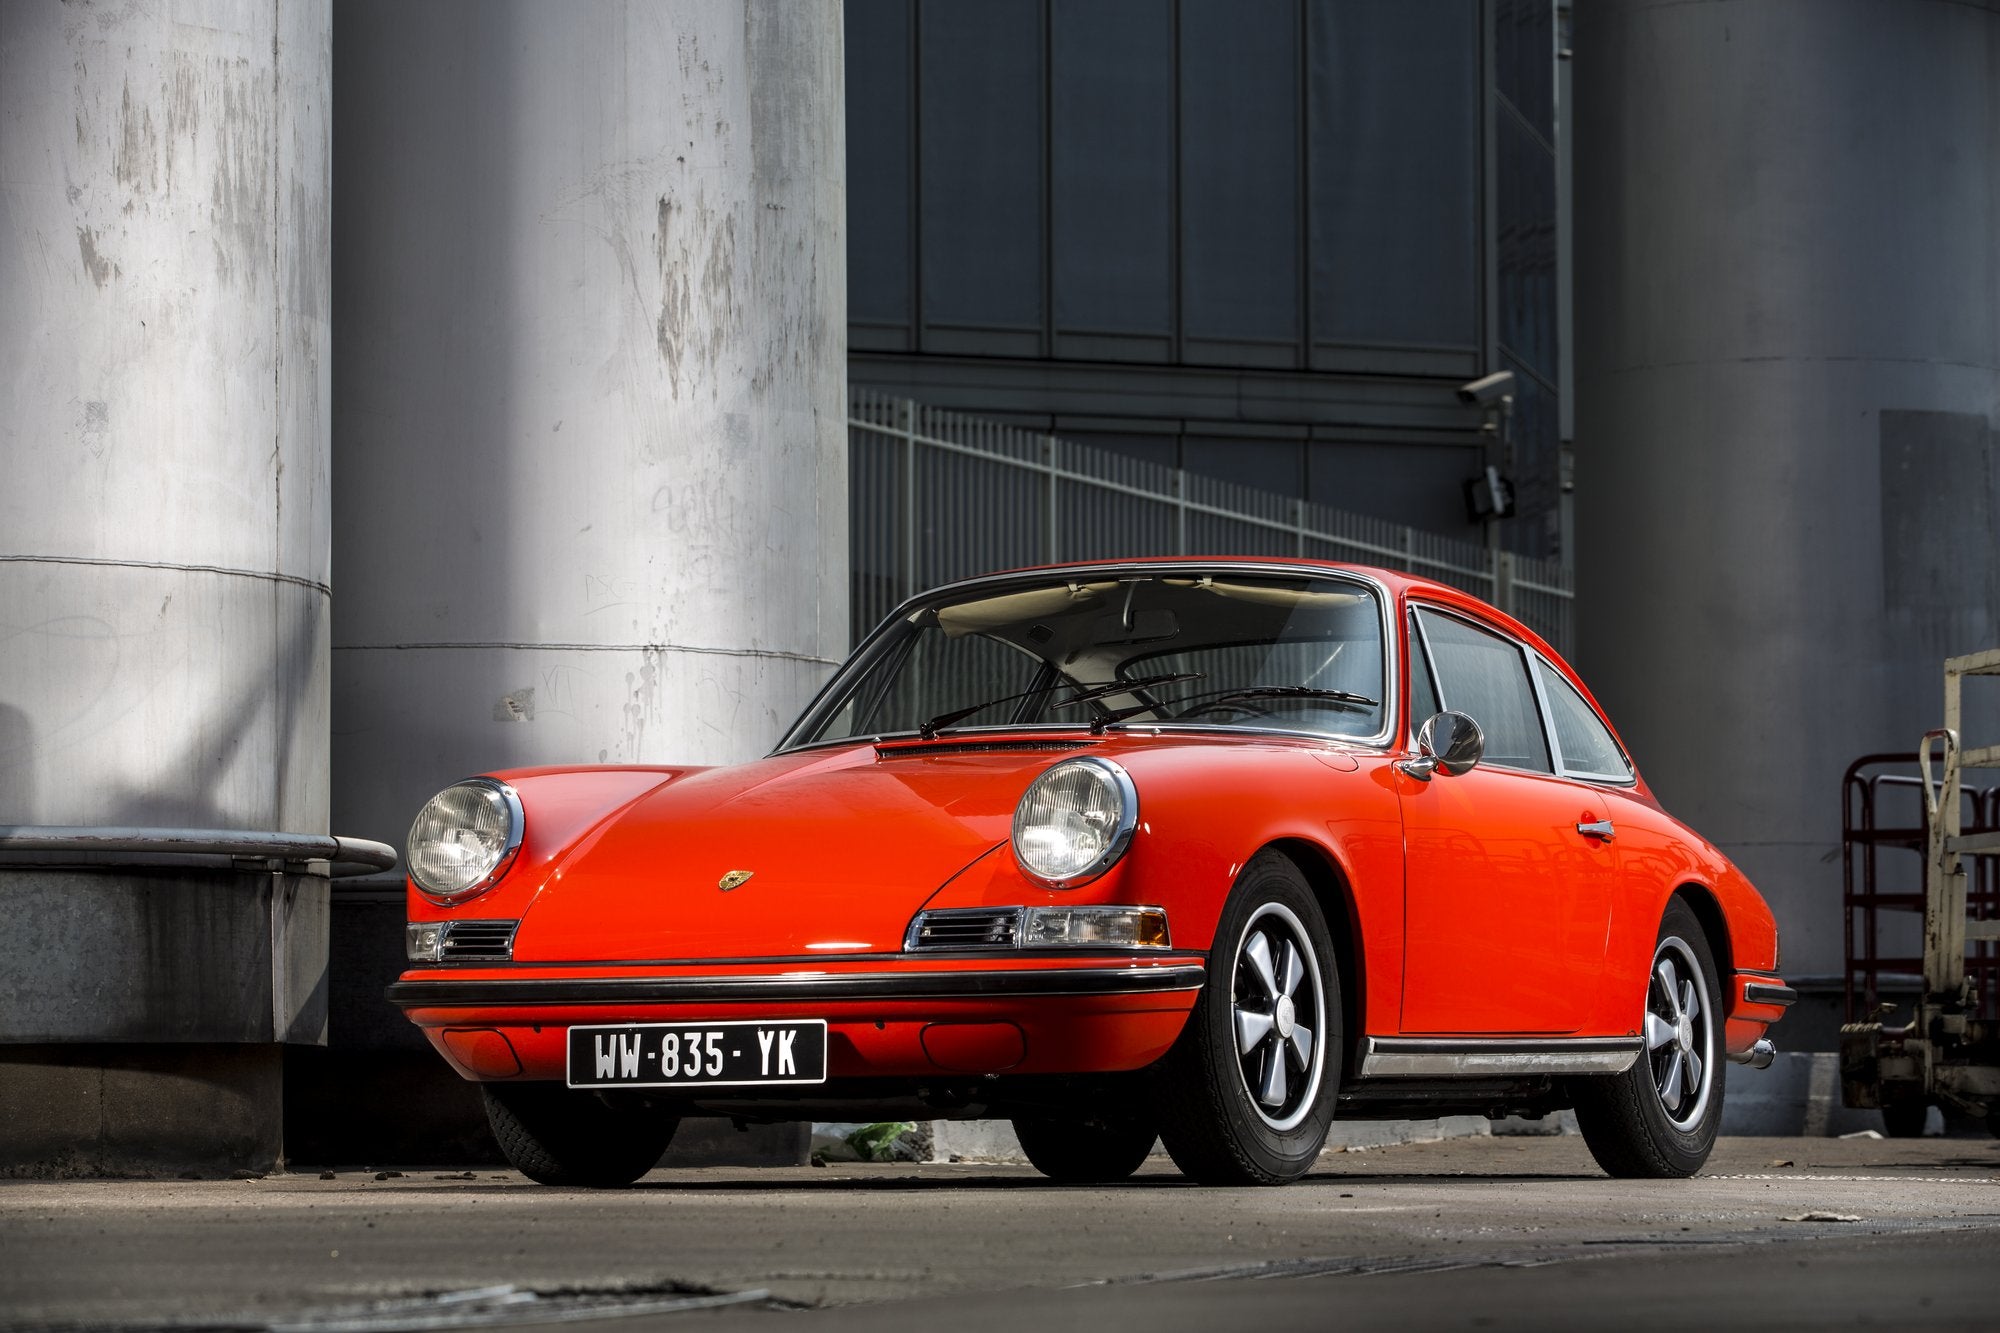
1264, 594
1016, 607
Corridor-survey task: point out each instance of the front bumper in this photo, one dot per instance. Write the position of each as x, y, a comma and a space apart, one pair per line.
894, 1019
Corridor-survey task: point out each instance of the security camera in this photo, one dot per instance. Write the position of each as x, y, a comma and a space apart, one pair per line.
1487, 389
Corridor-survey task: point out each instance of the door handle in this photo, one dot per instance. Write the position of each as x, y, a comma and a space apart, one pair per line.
1601, 829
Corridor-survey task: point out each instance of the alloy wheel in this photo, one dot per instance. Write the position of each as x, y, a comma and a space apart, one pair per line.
1277, 1012
1680, 1033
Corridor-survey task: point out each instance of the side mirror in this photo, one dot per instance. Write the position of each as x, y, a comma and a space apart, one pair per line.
1451, 743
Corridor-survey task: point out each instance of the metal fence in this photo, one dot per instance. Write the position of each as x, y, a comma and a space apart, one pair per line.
936, 496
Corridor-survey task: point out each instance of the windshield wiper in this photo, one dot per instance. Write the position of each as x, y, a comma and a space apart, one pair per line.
1347, 699
1084, 694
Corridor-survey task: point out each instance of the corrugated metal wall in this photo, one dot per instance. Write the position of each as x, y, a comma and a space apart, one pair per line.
938, 495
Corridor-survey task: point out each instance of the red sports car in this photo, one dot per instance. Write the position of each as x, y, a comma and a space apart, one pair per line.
1209, 851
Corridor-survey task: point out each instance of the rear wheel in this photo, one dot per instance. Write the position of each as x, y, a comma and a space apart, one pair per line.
1079, 1152
1246, 1095
558, 1136
1658, 1118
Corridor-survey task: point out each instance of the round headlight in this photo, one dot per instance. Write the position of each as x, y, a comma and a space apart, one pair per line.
1074, 821
464, 837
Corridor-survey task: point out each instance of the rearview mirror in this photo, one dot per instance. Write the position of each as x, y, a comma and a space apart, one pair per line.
1450, 743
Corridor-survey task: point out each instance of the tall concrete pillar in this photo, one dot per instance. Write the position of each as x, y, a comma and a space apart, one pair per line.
1788, 282
590, 427
164, 542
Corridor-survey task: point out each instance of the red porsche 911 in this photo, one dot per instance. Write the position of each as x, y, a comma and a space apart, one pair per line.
1199, 851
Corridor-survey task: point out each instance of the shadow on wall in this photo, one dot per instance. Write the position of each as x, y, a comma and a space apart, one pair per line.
17, 774
282, 688
437, 113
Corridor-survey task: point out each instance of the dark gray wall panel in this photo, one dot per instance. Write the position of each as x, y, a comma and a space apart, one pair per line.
879, 252
981, 165
1940, 507
1524, 60
1267, 465
1112, 159
1162, 450
1415, 484
1393, 140
1527, 246
1240, 178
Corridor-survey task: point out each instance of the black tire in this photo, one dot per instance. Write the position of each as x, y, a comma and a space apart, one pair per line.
557, 1136
1086, 1152
1993, 1122
1905, 1119
1218, 1131
1625, 1117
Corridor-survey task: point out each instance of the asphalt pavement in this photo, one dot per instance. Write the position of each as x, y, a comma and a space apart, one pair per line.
1467, 1233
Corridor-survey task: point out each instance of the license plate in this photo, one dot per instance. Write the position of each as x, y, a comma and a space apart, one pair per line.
698, 1055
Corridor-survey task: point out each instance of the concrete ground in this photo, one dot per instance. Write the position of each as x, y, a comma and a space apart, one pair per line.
1472, 1232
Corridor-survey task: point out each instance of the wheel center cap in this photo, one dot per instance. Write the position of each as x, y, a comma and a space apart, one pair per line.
1684, 1033
1287, 1015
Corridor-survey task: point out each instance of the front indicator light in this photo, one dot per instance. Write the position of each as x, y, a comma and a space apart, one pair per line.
995, 928
423, 941
1096, 928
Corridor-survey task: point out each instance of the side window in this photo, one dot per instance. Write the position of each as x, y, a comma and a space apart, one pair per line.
1423, 694
1486, 677
1586, 746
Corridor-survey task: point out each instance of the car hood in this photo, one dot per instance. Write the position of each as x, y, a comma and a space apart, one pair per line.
842, 847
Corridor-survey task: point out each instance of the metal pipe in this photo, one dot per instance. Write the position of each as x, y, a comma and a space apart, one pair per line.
117, 846
1759, 1056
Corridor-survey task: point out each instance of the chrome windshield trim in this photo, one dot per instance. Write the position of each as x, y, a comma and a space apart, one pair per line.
1466, 1057
1385, 604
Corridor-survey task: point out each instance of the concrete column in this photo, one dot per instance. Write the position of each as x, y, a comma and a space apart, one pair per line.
1788, 273
590, 427
164, 523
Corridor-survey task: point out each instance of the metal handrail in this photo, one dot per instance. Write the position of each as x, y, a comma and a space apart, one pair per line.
105, 845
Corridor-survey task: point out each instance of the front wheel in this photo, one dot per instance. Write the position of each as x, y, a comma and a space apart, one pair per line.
557, 1136
1658, 1119
1246, 1095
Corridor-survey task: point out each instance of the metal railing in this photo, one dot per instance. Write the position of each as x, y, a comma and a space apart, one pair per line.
97, 846
937, 495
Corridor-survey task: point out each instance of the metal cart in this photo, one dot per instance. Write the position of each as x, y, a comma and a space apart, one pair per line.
1950, 1053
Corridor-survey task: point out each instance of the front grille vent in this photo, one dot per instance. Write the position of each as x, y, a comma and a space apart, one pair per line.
479, 941
965, 928
931, 749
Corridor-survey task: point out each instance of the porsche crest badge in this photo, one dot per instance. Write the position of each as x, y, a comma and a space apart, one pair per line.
735, 879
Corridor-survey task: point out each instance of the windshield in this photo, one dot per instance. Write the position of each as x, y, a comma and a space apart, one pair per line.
1179, 648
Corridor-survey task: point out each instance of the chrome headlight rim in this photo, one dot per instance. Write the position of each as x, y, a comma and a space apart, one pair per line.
1124, 827
516, 828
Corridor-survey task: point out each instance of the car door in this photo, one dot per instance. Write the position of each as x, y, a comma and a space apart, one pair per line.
1506, 902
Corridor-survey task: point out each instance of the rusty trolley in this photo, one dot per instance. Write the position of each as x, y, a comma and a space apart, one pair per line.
1949, 1053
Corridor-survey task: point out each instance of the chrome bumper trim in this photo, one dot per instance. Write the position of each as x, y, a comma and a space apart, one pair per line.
1764, 992
1466, 1057
517, 992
